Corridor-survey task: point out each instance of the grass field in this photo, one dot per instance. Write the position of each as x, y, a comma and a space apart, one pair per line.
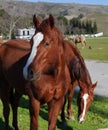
97, 116
98, 51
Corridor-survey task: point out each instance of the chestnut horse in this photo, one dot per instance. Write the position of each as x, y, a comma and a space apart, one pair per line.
79, 75
47, 71
13, 56
47, 82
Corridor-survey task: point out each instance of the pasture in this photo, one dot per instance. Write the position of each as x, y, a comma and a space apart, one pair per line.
97, 116
96, 49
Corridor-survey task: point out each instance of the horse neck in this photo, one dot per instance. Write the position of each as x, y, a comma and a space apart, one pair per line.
84, 75
78, 67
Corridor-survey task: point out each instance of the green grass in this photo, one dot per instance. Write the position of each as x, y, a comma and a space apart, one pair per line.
97, 116
98, 51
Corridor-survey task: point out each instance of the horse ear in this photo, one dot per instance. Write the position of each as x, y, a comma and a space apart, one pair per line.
51, 20
82, 85
94, 85
36, 21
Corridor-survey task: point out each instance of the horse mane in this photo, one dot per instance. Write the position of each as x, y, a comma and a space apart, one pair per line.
78, 66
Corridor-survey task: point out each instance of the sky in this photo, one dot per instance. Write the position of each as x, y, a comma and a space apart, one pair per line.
93, 2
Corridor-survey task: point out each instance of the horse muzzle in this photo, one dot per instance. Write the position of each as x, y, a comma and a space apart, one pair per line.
81, 119
32, 76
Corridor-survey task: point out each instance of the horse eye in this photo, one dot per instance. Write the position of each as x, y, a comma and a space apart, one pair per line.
46, 44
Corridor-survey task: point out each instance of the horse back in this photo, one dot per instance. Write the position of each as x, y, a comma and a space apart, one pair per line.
13, 55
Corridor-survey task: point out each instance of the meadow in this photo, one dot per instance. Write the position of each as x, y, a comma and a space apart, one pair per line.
97, 116
96, 49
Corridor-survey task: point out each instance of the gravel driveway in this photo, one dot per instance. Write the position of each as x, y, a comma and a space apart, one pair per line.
99, 72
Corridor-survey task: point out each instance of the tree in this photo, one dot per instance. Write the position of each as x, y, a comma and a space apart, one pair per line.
62, 23
94, 27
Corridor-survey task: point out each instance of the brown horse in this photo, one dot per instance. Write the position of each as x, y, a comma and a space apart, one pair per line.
80, 39
79, 75
13, 56
47, 71
47, 83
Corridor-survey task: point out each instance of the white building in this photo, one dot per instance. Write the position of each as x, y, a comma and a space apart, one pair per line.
25, 33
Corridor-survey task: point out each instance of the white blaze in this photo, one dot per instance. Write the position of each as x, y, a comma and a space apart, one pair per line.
36, 41
85, 97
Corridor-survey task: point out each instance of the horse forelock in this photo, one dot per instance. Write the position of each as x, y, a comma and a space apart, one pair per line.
36, 41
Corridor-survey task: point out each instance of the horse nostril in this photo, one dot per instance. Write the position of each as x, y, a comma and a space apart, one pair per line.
30, 73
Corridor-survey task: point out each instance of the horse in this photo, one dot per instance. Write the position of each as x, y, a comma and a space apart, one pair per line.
48, 84
79, 76
10, 61
13, 56
79, 39
47, 71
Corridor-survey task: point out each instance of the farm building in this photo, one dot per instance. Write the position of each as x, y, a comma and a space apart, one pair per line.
25, 33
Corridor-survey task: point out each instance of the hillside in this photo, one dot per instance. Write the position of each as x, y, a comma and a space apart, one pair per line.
98, 13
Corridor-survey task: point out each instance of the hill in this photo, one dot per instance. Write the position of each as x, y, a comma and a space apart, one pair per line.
97, 13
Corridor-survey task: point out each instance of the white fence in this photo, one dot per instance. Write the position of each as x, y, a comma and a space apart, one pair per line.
94, 35
86, 35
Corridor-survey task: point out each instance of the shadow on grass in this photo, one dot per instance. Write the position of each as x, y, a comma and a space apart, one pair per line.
24, 102
61, 126
44, 115
2, 125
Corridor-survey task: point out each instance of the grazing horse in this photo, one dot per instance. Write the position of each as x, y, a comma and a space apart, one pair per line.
38, 70
79, 75
80, 39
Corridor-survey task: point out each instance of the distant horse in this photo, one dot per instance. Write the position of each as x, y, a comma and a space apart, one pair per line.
79, 75
79, 39
38, 70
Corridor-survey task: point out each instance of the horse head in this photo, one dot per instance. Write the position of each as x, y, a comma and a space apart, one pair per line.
46, 50
85, 99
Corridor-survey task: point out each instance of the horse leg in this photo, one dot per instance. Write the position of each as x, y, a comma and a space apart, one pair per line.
14, 100
6, 108
83, 44
70, 95
63, 113
54, 108
34, 113
34, 107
